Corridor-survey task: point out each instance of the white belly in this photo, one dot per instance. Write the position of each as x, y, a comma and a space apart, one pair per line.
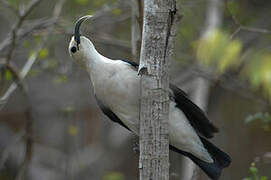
121, 93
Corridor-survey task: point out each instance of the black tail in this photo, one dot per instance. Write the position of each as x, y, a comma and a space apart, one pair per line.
213, 170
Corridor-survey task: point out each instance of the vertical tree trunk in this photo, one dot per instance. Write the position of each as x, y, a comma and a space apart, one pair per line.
137, 24
201, 86
160, 19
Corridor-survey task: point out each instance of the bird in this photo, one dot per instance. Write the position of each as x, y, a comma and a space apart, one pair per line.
116, 86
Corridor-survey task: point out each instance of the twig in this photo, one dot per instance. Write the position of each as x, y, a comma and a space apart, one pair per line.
9, 6
29, 63
256, 30
235, 32
232, 83
242, 27
30, 27
18, 81
17, 26
5, 153
22, 74
29, 119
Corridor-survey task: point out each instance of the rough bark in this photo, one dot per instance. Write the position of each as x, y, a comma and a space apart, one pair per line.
159, 28
201, 86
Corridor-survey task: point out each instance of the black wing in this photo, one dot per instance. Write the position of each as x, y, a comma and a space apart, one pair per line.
213, 170
134, 64
194, 114
112, 116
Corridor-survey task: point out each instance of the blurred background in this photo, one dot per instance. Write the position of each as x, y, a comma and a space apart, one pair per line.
50, 125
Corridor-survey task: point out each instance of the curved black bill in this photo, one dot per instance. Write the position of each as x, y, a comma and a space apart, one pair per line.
77, 28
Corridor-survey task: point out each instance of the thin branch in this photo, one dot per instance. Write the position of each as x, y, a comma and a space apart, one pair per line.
232, 83
235, 32
28, 112
28, 28
9, 6
30, 61
28, 137
26, 68
256, 30
233, 17
242, 27
18, 25
5, 153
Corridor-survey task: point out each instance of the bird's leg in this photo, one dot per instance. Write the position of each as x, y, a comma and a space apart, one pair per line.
135, 144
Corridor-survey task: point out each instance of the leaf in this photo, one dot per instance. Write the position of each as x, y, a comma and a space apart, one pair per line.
31, 53
37, 39
43, 53
114, 176
253, 169
231, 55
264, 178
8, 75
234, 8
82, 2
73, 130
218, 50
68, 109
34, 72
98, 3
26, 44
254, 117
258, 72
116, 11
60, 79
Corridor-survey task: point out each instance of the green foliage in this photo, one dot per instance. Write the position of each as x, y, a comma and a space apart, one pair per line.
255, 173
73, 130
52, 64
82, 2
61, 79
98, 3
43, 53
26, 44
37, 39
234, 7
258, 71
34, 72
116, 11
218, 50
31, 53
263, 118
114, 176
8, 75
14, 3
68, 109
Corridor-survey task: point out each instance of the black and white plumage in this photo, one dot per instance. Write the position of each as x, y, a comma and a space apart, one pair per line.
116, 85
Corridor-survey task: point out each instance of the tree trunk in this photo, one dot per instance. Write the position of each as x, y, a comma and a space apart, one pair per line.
160, 20
137, 21
201, 86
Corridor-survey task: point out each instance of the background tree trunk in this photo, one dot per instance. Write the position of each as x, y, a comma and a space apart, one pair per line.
201, 86
137, 24
160, 19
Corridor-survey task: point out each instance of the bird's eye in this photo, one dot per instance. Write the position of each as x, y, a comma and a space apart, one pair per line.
73, 49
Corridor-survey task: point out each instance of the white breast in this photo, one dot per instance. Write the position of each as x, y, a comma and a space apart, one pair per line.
119, 89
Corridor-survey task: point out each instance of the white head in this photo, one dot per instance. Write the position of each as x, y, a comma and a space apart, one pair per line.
80, 47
